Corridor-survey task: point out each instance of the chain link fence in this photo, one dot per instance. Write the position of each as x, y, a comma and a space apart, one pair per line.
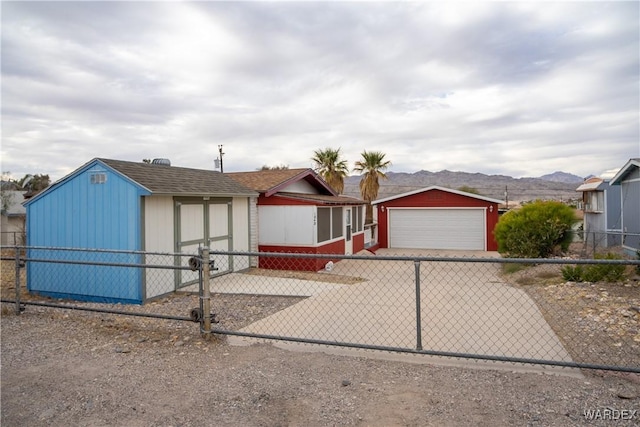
596, 242
564, 312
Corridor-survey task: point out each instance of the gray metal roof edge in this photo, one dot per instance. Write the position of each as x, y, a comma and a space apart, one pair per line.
617, 178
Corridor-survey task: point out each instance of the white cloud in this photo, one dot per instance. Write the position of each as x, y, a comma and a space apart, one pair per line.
513, 88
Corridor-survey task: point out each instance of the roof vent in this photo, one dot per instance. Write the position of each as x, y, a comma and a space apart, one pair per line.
161, 162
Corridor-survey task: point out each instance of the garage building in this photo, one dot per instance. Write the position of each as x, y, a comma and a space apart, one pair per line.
437, 218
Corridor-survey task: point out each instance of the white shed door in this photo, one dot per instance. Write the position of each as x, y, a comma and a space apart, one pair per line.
462, 229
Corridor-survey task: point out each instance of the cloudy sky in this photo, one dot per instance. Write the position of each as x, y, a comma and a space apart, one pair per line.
520, 89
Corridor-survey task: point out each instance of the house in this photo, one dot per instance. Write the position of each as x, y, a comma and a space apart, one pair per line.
628, 178
602, 213
437, 218
129, 206
298, 212
12, 217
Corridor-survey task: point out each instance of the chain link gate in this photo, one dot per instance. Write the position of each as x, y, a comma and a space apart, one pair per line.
435, 306
509, 310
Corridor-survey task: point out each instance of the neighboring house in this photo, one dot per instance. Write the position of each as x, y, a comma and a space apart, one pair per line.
628, 178
437, 218
13, 218
129, 206
298, 212
602, 213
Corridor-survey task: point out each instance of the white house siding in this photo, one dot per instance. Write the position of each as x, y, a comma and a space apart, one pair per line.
301, 187
288, 225
241, 227
158, 237
253, 228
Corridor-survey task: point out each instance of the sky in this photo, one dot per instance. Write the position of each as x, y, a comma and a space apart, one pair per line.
507, 88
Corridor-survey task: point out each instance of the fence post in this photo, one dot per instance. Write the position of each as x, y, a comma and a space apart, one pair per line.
17, 282
206, 293
416, 263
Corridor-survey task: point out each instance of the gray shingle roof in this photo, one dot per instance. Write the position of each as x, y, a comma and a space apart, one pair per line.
174, 180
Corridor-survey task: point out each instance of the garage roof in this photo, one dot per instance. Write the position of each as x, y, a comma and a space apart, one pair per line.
435, 187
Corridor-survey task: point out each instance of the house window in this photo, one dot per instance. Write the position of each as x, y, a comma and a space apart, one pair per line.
98, 178
595, 201
324, 224
336, 222
357, 226
329, 223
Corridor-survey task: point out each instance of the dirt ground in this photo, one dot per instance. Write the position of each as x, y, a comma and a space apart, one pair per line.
57, 371
63, 367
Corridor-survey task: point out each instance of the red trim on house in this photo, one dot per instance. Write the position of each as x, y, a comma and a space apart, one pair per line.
437, 199
299, 264
358, 242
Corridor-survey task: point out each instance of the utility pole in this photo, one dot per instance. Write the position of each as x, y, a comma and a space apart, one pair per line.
221, 154
506, 196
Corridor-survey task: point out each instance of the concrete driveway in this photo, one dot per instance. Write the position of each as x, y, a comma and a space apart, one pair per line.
465, 308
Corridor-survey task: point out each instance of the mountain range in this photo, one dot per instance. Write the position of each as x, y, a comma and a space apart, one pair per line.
555, 186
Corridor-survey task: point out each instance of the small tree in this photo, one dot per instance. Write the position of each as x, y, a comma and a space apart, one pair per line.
274, 168
331, 167
371, 166
536, 230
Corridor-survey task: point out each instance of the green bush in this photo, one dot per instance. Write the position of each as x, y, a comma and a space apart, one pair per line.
535, 230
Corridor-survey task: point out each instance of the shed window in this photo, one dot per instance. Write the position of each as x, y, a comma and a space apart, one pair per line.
98, 178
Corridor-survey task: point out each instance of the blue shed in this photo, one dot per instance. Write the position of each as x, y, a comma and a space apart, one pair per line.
126, 206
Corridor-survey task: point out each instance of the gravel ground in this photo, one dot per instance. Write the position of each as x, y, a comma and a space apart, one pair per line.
598, 323
62, 368
66, 367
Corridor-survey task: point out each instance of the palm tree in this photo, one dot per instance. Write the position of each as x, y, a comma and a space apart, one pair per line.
372, 165
330, 167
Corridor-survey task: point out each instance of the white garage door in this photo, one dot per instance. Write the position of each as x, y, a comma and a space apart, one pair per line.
437, 228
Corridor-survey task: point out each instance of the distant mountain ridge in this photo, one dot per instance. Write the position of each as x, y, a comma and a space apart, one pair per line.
563, 177
555, 186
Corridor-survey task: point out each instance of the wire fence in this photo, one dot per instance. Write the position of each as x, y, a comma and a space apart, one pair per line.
581, 313
596, 242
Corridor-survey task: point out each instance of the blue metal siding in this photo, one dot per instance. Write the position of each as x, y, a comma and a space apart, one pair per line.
631, 213
77, 213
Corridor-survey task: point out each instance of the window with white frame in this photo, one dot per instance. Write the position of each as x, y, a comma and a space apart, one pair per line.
330, 223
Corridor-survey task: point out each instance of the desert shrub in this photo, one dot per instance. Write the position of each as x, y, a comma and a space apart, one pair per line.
535, 230
573, 273
513, 267
595, 272
604, 272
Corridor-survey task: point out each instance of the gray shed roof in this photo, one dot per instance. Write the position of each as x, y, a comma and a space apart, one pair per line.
160, 179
